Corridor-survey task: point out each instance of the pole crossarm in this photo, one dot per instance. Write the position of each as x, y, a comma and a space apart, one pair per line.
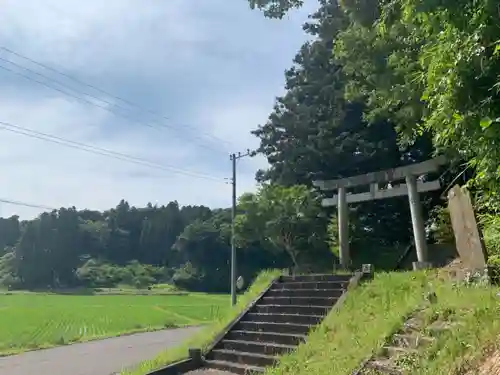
387, 175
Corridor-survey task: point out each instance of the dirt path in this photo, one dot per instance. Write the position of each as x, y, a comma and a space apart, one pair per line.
103, 357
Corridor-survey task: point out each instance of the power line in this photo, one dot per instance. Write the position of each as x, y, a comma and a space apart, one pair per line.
128, 117
130, 103
58, 82
101, 151
31, 205
73, 78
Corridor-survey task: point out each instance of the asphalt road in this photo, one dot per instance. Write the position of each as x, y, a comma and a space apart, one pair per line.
103, 357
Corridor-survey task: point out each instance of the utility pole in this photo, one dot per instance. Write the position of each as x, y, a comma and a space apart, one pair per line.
234, 158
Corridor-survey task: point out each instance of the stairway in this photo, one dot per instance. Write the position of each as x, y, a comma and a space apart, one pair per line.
400, 352
278, 323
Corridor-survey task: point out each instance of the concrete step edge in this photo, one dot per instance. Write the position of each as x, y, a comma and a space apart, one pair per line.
311, 291
294, 281
281, 324
304, 297
383, 366
417, 338
300, 306
270, 333
260, 343
287, 314
398, 349
316, 277
320, 274
307, 290
234, 365
248, 354
314, 298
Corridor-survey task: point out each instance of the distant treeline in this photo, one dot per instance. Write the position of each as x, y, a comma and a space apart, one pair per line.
188, 246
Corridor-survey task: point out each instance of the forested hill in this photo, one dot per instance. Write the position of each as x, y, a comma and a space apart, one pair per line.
68, 248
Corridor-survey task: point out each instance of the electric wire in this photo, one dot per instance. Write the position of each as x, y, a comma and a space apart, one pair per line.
74, 79
102, 151
103, 107
85, 147
30, 205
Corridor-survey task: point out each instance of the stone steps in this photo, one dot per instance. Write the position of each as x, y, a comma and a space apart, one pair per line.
400, 349
292, 309
300, 301
383, 367
410, 341
283, 318
279, 321
316, 278
232, 367
292, 328
310, 285
270, 337
256, 347
245, 358
303, 293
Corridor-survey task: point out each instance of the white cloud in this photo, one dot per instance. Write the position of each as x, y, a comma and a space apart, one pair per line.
75, 33
196, 63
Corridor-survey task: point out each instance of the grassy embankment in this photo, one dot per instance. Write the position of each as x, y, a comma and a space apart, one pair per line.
33, 321
206, 335
377, 309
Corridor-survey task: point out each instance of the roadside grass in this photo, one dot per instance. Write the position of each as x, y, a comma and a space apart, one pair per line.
377, 309
34, 321
203, 338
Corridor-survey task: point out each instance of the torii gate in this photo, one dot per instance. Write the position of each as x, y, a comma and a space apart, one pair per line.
412, 188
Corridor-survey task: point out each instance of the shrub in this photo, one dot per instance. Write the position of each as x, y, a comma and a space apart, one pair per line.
98, 274
440, 225
490, 225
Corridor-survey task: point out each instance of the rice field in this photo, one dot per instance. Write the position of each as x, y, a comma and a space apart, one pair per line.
32, 321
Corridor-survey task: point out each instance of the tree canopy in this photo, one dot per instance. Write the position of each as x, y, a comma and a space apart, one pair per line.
316, 131
275, 8
425, 67
284, 219
431, 66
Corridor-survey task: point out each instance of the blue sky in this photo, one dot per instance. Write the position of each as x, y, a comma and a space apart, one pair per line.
209, 66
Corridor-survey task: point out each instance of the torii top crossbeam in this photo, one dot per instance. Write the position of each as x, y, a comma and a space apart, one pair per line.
387, 175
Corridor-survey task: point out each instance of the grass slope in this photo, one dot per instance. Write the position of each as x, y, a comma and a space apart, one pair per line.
31, 321
205, 336
377, 309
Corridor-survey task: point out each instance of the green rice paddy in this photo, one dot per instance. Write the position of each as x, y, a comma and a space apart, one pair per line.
32, 321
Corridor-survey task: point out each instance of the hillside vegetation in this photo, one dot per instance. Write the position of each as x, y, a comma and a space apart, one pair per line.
377, 309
